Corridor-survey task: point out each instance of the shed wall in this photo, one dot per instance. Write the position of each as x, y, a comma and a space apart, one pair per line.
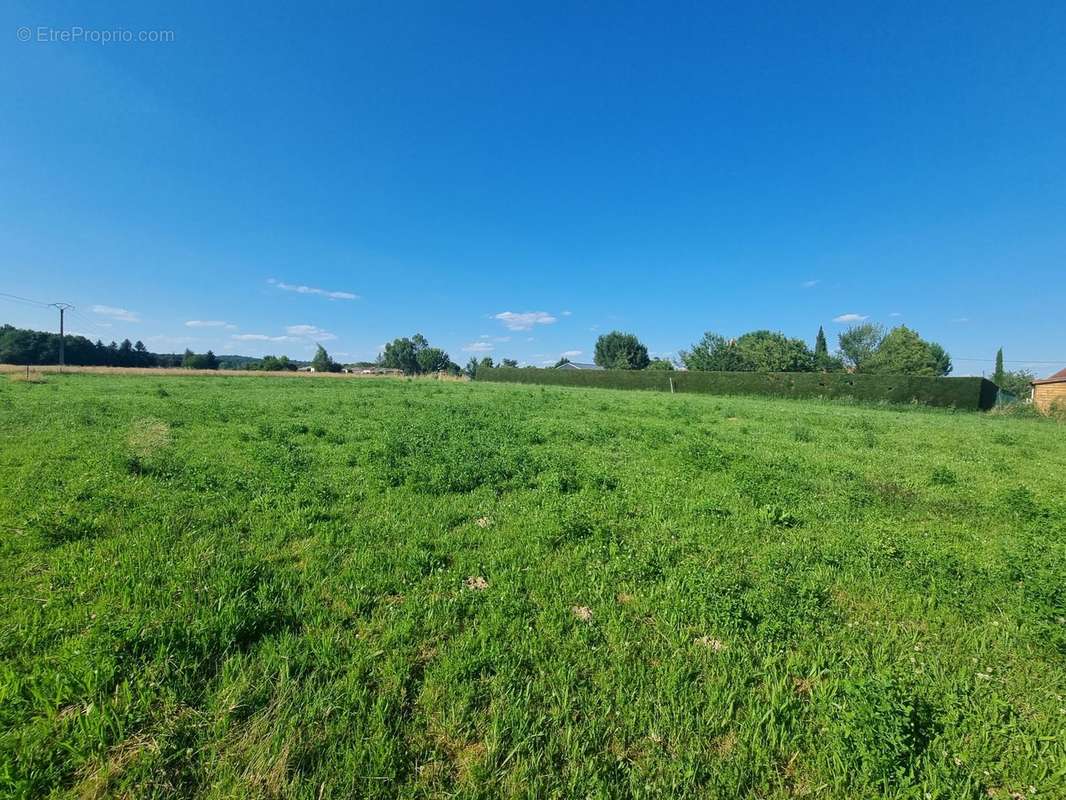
1045, 394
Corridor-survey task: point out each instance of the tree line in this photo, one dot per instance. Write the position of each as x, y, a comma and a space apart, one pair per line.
39, 348
23, 346
864, 348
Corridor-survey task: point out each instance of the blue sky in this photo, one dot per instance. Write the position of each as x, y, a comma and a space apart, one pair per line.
513, 179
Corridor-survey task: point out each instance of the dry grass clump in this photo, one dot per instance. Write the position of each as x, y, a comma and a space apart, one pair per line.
148, 435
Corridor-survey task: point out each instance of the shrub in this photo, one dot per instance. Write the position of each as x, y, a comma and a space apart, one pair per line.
963, 393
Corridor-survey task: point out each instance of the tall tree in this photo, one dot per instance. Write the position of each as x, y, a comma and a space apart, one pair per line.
322, 361
617, 350
758, 351
769, 351
859, 342
432, 359
999, 375
822, 360
714, 353
903, 352
402, 354
414, 356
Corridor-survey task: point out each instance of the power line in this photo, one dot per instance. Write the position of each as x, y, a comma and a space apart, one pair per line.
78, 315
24, 300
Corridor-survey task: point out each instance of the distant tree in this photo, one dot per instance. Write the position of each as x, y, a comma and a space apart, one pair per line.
617, 350
758, 351
322, 361
432, 359
486, 362
193, 360
661, 363
769, 351
509, 362
276, 364
823, 361
1017, 382
560, 362
714, 353
859, 342
471, 368
142, 356
903, 352
402, 354
1000, 373
941, 361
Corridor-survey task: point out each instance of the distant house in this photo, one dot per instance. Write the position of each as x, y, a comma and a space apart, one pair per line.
305, 369
1050, 390
577, 365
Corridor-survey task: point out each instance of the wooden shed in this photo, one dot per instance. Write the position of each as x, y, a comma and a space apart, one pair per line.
1049, 391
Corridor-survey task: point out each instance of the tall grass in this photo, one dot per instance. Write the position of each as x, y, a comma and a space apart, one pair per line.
379, 588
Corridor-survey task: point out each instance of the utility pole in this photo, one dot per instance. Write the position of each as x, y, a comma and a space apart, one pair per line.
62, 309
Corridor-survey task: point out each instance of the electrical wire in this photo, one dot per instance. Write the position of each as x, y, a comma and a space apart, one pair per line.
24, 300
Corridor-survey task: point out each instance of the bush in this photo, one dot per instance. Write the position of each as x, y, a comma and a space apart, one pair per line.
964, 393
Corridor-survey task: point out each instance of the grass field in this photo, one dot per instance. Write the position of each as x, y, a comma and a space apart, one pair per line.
268, 588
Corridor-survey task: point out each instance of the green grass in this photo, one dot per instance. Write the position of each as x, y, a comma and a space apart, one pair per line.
300, 588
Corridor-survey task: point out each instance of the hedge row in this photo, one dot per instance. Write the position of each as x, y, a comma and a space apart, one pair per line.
964, 393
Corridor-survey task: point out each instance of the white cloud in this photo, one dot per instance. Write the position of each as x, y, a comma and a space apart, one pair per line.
301, 289
501, 338
851, 318
259, 337
895, 314
570, 353
961, 319
117, 313
566, 313
310, 332
525, 320
810, 284
479, 347
210, 323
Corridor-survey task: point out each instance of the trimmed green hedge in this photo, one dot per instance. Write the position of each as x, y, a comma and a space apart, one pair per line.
966, 393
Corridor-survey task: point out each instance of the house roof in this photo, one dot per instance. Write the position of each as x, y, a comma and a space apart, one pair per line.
1058, 377
578, 365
